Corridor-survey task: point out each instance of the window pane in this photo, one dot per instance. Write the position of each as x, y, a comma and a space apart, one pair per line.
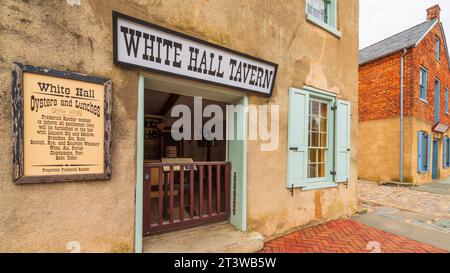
323, 140
314, 140
319, 9
321, 170
312, 171
318, 139
314, 124
313, 156
323, 110
314, 108
323, 125
316, 170
316, 156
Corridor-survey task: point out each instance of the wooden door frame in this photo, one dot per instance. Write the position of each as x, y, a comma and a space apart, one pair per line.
220, 91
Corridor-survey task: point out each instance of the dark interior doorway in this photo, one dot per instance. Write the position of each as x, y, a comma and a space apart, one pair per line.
186, 182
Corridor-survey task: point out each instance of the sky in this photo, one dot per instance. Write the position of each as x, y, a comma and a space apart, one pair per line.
380, 19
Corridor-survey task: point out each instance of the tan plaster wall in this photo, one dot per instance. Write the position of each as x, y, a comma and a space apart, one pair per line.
307, 55
100, 215
45, 217
379, 151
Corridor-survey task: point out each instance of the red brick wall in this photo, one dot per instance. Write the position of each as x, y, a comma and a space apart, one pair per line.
379, 83
424, 54
379, 87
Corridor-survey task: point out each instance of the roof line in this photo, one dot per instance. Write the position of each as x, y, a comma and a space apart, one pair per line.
385, 55
445, 44
396, 35
426, 33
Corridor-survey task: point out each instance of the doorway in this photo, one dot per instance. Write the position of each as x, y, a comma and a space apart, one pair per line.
219, 167
186, 173
434, 171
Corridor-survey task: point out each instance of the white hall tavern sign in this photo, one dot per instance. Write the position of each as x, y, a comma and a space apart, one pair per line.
143, 45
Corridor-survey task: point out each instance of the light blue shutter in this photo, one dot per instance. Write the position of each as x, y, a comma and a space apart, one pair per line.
444, 160
429, 153
420, 154
342, 141
297, 138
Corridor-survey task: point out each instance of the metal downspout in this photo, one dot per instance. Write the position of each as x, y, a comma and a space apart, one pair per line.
402, 130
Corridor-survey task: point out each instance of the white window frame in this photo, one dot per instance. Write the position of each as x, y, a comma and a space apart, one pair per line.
331, 26
330, 135
327, 182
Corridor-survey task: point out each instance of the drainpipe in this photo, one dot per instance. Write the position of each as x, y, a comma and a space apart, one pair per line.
402, 130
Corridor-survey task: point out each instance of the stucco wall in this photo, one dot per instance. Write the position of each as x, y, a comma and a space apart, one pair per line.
307, 55
45, 217
379, 141
100, 215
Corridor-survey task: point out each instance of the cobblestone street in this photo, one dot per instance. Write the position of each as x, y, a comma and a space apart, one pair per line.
404, 198
419, 213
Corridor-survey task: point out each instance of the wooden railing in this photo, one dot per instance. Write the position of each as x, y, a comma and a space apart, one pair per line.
181, 195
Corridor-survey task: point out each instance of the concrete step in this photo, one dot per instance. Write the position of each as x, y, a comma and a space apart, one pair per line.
215, 238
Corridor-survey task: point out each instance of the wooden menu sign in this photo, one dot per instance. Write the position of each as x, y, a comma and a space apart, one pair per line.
61, 126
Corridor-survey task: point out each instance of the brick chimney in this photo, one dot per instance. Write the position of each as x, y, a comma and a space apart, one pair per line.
433, 13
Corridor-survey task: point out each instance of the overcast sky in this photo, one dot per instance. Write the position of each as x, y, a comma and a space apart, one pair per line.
380, 19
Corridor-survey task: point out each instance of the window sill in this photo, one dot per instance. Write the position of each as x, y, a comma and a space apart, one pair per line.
323, 25
318, 186
424, 101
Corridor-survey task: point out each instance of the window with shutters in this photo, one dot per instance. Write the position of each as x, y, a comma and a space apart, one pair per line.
319, 139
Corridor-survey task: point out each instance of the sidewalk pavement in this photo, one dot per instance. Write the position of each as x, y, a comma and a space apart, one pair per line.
418, 213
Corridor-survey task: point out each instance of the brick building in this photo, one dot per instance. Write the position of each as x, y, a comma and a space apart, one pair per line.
419, 58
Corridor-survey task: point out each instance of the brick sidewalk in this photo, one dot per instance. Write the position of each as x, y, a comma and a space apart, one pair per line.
344, 236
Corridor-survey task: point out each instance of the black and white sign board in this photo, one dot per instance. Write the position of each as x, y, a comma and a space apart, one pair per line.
147, 46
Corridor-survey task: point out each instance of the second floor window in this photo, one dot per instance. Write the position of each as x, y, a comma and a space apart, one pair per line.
323, 11
319, 9
438, 47
446, 100
423, 83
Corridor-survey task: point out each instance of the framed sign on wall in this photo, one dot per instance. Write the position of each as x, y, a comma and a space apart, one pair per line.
61, 126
